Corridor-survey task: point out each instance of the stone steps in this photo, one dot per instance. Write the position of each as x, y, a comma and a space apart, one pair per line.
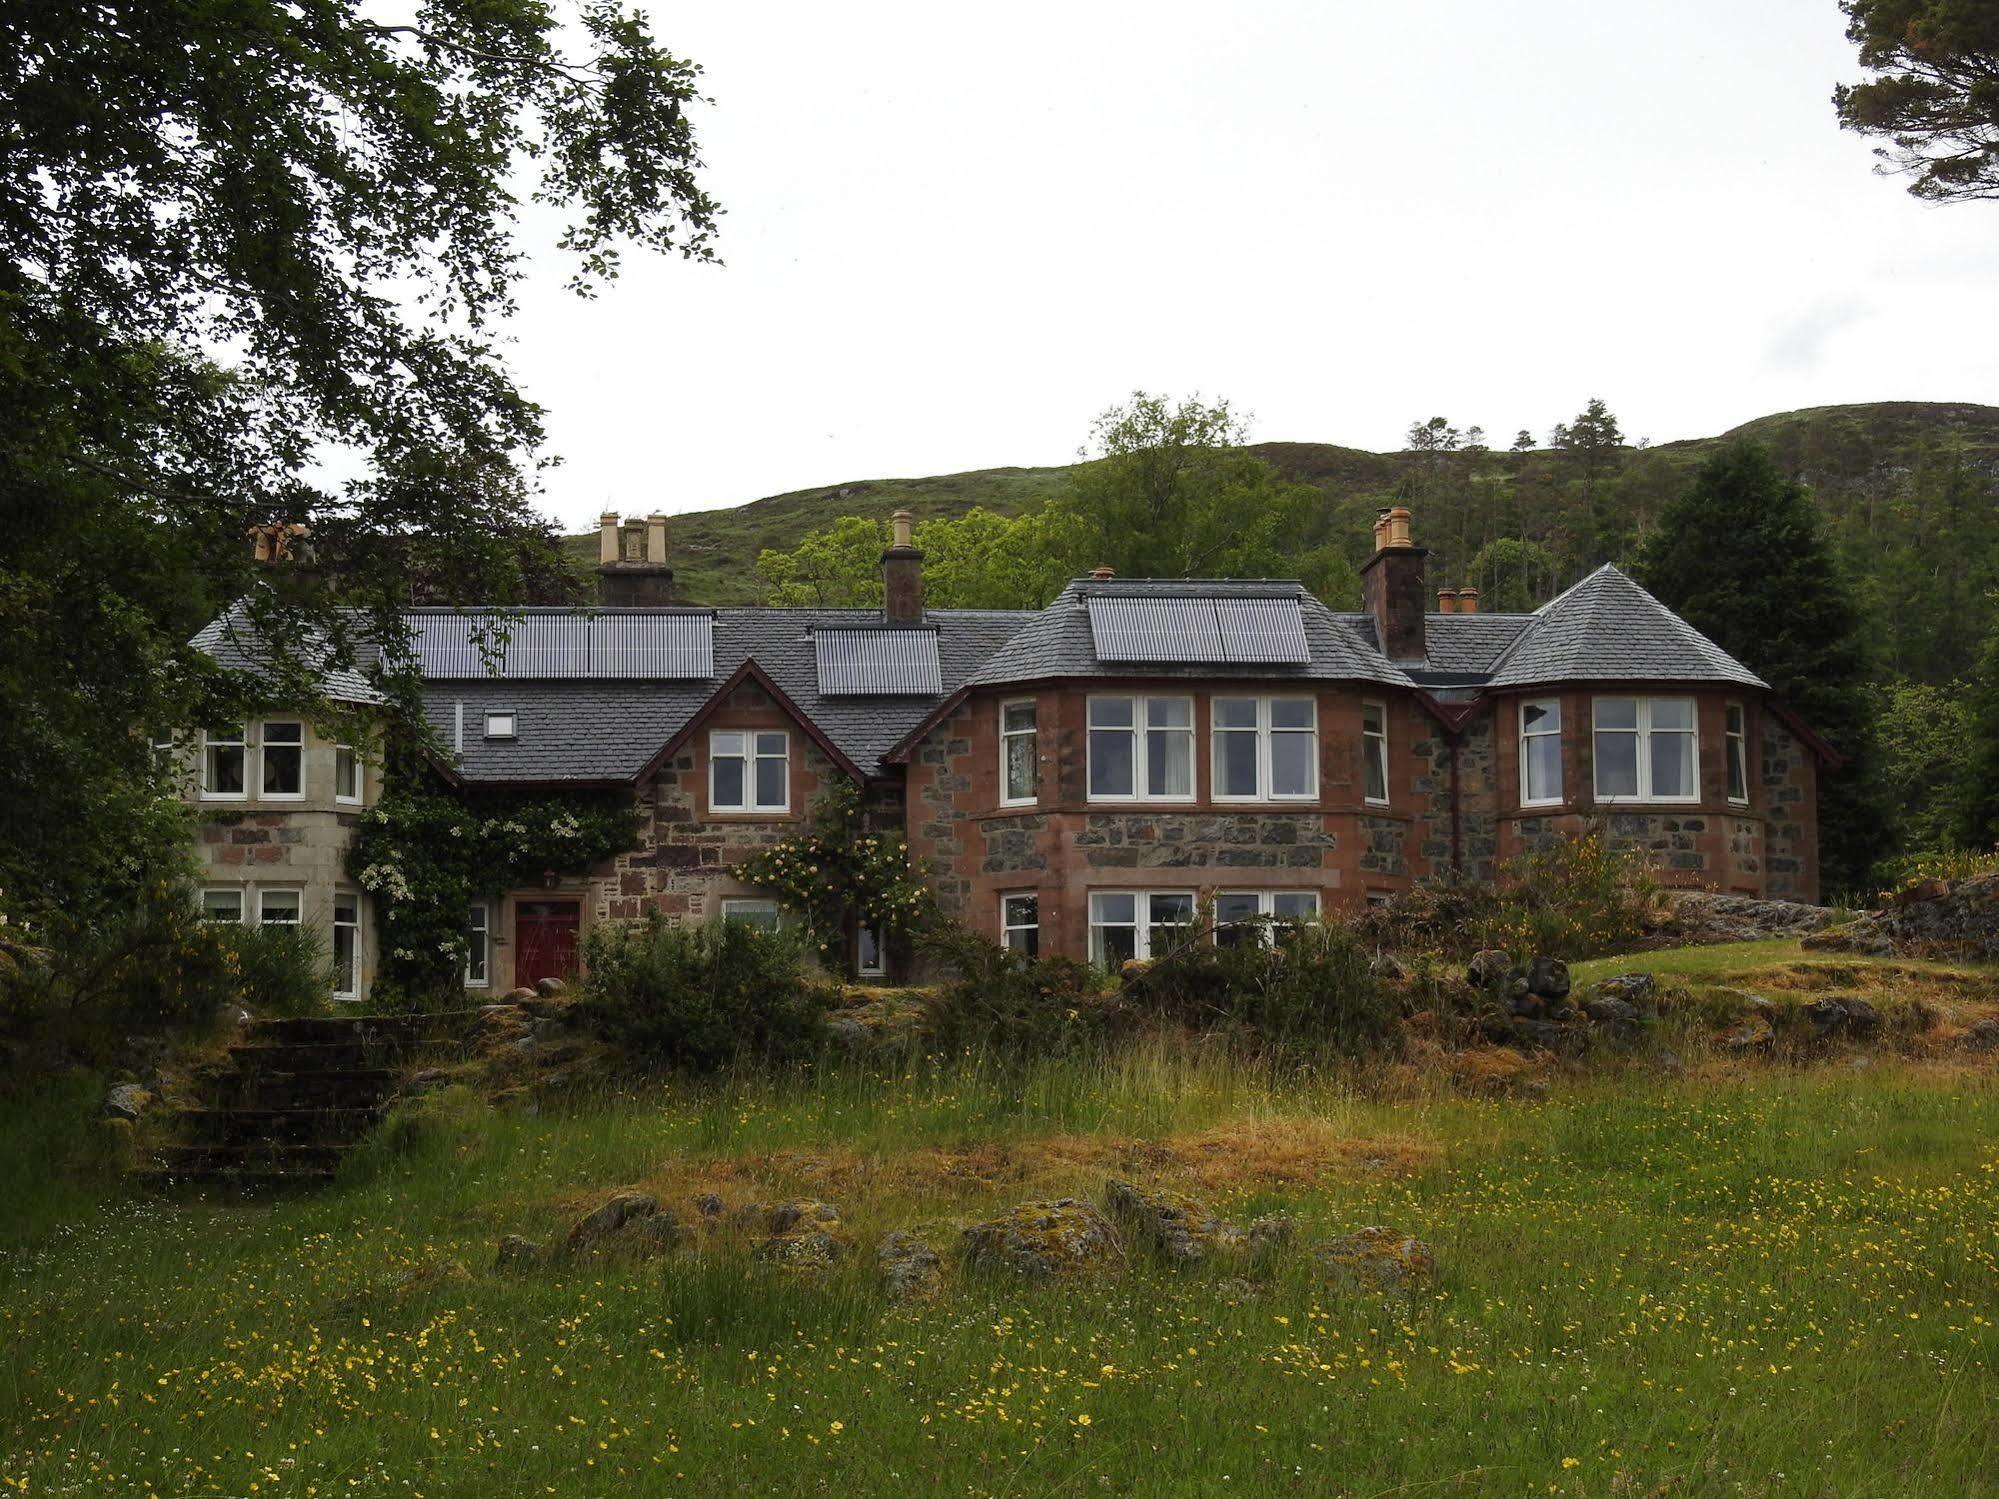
297, 1096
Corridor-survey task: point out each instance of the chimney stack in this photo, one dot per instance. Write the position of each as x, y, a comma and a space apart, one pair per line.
631, 562
902, 574
1468, 601
1392, 583
1447, 601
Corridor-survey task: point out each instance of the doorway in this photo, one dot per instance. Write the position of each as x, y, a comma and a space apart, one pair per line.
545, 940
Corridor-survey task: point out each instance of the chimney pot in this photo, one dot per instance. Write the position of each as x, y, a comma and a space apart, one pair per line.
900, 525
1398, 527
1102, 573
607, 535
1447, 601
1380, 529
1468, 601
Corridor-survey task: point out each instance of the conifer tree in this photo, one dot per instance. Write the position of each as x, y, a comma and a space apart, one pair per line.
1742, 557
1978, 795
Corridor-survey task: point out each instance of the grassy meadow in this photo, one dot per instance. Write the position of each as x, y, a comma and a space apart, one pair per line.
1727, 1277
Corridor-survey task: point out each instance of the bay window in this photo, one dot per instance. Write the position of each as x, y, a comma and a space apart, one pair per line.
283, 758
346, 945
1020, 770
1645, 750
1127, 924
1374, 752
1738, 755
1249, 915
749, 770
1541, 753
1020, 924
223, 761
1264, 749
1141, 749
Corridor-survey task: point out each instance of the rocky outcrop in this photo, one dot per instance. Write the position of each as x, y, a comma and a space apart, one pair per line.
1936, 919
1377, 1260
1042, 1240
799, 1235
600, 1224
1699, 918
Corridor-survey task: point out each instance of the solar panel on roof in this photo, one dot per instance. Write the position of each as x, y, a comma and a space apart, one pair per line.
1235, 631
643, 646
1156, 630
886, 663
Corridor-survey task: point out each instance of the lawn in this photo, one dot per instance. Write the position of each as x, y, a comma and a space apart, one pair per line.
1745, 1279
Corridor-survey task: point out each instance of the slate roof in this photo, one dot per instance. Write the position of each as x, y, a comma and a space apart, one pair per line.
1607, 628
609, 730
1057, 642
232, 641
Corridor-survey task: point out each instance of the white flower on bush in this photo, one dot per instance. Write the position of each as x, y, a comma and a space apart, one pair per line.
386, 880
565, 826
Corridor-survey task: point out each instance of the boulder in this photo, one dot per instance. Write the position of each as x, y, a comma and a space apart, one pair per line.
799, 1235
1843, 1015
1548, 977
127, 1101
1754, 1034
517, 1253
1178, 1229
1982, 1036
1958, 920
515, 996
1269, 1236
708, 1205
1042, 1240
1607, 1011
1639, 990
909, 1268
1699, 917
550, 988
594, 1227
1376, 1259
1489, 968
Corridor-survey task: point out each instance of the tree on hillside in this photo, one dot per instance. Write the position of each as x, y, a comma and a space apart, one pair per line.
1591, 448
1937, 99
1742, 556
837, 568
1937, 562
1513, 576
1977, 801
1173, 492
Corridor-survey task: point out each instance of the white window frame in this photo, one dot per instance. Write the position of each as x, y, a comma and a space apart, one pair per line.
1142, 923
750, 754
1008, 927
1526, 734
1735, 745
1141, 740
1266, 732
242, 904
1032, 734
1643, 731
352, 992
479, 919
733, 909
1266, 908
1373, 742
265, 892
263, 756
512, 720
210, 743
862, 967
346, 755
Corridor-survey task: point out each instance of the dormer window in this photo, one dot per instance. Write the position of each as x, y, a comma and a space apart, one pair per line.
502, 725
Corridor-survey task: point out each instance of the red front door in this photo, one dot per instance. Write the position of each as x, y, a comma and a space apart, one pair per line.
545, 940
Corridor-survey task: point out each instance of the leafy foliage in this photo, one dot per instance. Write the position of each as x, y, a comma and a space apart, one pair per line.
425, 854
1978, 807
1005, 1002
701, 997
1937, 99
841, 875
325, 197
1743, 557
159, 965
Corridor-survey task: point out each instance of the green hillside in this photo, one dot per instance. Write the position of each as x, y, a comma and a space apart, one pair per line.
1831, 447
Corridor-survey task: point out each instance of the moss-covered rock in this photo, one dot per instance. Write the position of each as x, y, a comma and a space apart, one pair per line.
1043, 1240
1377, 1259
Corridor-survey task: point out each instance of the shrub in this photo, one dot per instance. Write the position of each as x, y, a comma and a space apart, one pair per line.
1310, 985
1004, 1001
159, 965
1947, 864
702, 996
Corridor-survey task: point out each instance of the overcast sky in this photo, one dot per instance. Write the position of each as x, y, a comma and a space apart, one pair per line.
954, 235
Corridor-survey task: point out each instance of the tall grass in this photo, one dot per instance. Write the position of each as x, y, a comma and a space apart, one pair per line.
1783, 1282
